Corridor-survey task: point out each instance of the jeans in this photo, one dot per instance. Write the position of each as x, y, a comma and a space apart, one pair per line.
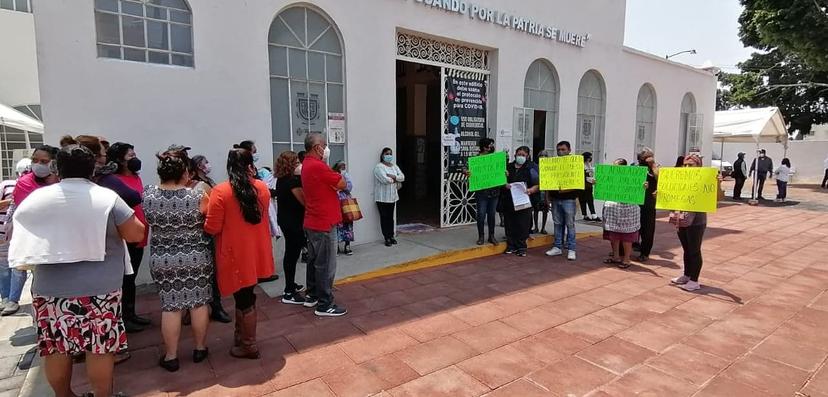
386, 212
691, 242
517, 228
245, 298
136, 255
563, 215
321, 266
486, 209
783, 189
761, 186
294, 241
737, 188
11, 282
647, 231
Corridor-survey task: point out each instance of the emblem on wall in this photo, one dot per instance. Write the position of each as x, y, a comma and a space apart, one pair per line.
307, 108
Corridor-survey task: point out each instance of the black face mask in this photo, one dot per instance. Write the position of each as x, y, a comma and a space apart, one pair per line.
134, 164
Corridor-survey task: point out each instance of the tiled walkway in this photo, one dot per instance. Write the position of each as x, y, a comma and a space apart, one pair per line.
537, 326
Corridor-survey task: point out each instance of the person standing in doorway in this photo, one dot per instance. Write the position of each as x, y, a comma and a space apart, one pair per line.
487, 199
541, 206
740, 175
783, 176
563, 214
322, 213
238, 218
518, 222
646, 158
388, 179
763, 166
587, 200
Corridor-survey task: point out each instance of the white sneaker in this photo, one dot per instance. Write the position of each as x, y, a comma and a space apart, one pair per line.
570, 255
555, 251
691, 286
680, 280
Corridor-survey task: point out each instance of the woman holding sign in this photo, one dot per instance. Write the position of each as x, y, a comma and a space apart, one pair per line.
522, 182
691, 227
486, 199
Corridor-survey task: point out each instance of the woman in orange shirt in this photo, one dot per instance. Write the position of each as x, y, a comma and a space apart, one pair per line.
238, 218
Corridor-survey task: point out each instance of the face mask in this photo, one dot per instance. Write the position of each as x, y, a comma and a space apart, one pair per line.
206, 169
256, 158
134, 164
41, 170
520, 160
388, 158
326, 154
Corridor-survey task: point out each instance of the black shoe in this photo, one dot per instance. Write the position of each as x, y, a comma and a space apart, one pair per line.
140, 320
480, 240
492, 240
218, 314
310, 301
521, 254
169, 365
535, 231
393, 241
348, 251
388, 243
298, 288
269, 279
761, 198
330, 311
200, 355
509, 252
132, 328
293, 299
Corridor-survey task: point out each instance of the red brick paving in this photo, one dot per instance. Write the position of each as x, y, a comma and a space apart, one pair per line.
508, 326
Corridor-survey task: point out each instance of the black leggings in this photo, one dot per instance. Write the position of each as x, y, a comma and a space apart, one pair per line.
245, 298
386, 211
294, 241
587, 199
691, 241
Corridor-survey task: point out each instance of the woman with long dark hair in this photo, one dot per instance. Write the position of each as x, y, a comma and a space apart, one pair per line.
238, 218
290, 215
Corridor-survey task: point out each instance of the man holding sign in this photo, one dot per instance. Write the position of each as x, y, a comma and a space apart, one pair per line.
487, 173
563, 177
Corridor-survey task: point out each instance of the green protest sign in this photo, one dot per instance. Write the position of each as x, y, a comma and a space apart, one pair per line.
487, 171
620, 183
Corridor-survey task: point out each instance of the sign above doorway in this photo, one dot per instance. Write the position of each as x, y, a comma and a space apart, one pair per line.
508, 21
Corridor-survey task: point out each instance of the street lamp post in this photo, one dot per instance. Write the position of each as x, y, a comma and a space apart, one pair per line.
682, 52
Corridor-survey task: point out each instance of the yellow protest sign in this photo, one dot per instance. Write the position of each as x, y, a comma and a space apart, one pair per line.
562, 173
691, 189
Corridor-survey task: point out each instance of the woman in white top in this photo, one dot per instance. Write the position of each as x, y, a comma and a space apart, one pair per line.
783, 176
388, 180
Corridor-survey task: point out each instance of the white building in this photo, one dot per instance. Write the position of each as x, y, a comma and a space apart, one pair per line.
212, 73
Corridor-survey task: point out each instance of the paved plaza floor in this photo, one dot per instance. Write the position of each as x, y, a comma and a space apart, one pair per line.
538, 326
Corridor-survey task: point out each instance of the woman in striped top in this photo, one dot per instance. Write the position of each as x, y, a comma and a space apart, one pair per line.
388, 180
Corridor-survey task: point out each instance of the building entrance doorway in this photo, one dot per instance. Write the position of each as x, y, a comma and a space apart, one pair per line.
539, 134
419, 130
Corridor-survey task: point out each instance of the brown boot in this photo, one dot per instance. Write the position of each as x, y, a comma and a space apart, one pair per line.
247, 347
237, 328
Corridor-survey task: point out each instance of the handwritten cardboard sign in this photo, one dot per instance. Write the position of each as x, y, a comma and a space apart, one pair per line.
620, 183
562, 173
487, 171
691, 189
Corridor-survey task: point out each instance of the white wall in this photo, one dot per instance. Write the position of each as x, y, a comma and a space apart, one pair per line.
18, 62
226, 97
807, 157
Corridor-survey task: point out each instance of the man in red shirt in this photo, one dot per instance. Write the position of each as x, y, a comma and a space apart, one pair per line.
322, 213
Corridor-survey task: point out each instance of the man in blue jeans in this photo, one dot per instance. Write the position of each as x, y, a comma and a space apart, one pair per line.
563, 213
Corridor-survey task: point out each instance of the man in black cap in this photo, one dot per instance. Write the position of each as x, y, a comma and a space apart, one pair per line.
740, 174
763, 166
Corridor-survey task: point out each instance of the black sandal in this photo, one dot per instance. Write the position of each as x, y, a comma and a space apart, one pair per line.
624, 265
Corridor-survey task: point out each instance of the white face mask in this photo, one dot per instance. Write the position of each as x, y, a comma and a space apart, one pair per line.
41, 170
207, 169
326, 154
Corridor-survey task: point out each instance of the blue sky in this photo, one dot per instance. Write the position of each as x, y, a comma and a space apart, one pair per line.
711, 27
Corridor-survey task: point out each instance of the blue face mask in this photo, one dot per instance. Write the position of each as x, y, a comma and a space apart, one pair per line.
520, 160
388, 158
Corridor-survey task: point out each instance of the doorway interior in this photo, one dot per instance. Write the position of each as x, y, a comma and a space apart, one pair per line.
538, 134
419, 129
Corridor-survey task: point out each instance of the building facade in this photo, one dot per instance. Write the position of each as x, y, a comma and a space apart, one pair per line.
426, 78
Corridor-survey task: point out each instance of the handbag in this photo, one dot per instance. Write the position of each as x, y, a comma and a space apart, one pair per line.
350, 210
681, 218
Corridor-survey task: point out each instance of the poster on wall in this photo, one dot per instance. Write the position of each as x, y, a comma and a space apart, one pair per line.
466, 124
336, 127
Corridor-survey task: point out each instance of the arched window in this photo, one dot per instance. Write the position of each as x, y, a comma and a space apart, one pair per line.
690, 126
154, 31
592, 107
16, 5
307, 81
541, 93
645, 118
